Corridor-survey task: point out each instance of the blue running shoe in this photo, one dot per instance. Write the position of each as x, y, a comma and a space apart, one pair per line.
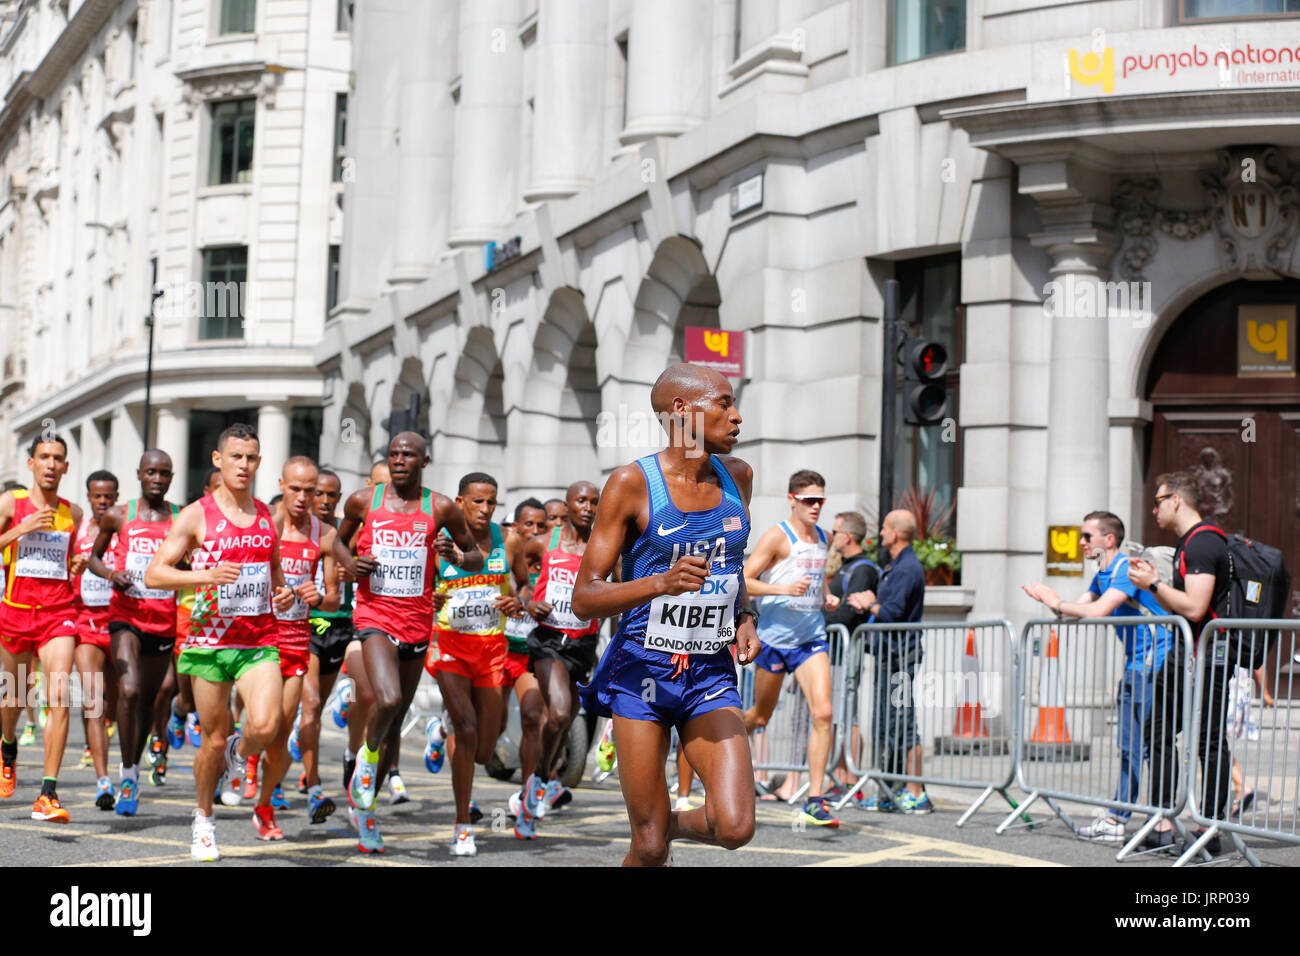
433, 752
320, 807
341, 702
193, 732
370, 841
128, 801
361, 788
534, 797
475, 814
525, 826
295, 752
175, 732
553, 790
104, 796
908, 803
817, 812
278, 800
879, 803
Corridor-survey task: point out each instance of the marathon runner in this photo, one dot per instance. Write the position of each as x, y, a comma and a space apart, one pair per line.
555, 512
562, 648
38, 616
469, 658
238, 585
681, 521
306, 545
394, 527
92, 654
786, 573
141, 621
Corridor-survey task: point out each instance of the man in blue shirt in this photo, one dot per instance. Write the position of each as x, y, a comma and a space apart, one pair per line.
1112, 594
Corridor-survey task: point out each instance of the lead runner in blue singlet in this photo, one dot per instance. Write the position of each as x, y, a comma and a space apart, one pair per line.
680, 520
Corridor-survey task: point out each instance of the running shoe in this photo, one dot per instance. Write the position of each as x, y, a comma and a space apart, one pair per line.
175, 732
433, 751
250, 778
295, 751
87, 758
552, 793
340, 702
28, 736
320, 807
605, 753
157, 755
879, 803
475, 814
563, 800
368, 832
682, 804
397, 790
193, 732
525, 823
48, 809
535, 797
817, 812
158, 775
264, 823
361, 788
278, 800
462, 844
104, 795
43, 715
349, 767
302, 782
110, 728
234, 774
7, 780
908, 803
203, 842
1102, 830
516, 804
128, 802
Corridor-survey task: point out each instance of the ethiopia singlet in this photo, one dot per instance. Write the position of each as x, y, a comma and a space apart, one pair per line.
298, 561
555, 587
397, 597
38, 561
92, 591
791, 620
470, 607
236, 615
697, 622
148, 610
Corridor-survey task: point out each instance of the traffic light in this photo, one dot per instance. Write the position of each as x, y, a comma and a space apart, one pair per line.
925, 398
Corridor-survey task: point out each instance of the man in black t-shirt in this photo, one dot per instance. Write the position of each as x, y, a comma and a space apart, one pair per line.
857, 573
1199, 593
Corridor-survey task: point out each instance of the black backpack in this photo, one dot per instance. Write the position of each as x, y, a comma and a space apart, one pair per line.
1259, 586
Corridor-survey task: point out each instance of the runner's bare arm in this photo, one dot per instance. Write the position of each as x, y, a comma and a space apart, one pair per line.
621, 503
76, 562
109, 525
282, 595
329, 571
185, 534
466, 554
748, 645
354, 515
766, 554
40, 520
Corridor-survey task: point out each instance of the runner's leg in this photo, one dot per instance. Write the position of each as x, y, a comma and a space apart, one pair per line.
408, 673
315, 689
558, 692
125, 644
717, 748
14, 668
814, 679
363, 701
212, 704
91, 665
642, 750
381, 666
261, 688
56, 664
532, 717
276, 762
767, 692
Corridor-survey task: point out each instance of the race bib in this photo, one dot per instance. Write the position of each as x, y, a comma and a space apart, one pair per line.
95, 591
811, 600
471, 610
136, 562
697, 622
518, 628
250, 595
559, 595
43, 554
298, 610
400, 572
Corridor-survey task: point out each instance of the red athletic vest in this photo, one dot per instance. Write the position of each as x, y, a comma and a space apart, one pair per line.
93, 593
234, 615
152, 611
555, 587
37, 563
398, 597
298, 560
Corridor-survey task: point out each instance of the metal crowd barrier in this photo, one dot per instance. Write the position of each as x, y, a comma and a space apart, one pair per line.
1101, 701
1235, 739
782, 745
910, 686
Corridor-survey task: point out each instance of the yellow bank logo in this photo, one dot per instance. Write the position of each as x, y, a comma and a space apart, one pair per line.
1066, 543
1268, 338
1091, 68
716, 342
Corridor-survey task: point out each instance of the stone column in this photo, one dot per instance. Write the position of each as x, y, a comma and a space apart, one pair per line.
124, 443
273, 436
571, 55
668, 69
174, 438
484, 171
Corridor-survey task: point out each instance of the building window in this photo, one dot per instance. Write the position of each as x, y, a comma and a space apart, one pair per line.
237, 16
735, 33
332, 282
928, 27
232, 142
343, 21
622, 61
225, 277
929, 304
340, 134
205, 426
305, 426
1237, 9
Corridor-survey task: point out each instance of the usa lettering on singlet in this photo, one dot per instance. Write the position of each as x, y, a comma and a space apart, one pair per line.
472, 595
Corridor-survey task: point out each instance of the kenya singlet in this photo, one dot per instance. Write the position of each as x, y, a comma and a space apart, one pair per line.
397, 597
236, 615
555, 587
148, 610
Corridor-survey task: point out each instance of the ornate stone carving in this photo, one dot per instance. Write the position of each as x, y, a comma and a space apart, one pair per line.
1254, 207
1213, 485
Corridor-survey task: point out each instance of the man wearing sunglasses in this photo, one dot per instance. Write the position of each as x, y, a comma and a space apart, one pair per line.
787, 573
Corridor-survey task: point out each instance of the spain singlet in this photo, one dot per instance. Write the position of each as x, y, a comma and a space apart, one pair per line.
791, 620
236, 615
555, 587
298, 561
92, 591
148, 610
38, 561
470, 607
397, 597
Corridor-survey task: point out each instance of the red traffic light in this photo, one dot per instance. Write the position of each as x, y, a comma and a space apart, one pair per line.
927, 359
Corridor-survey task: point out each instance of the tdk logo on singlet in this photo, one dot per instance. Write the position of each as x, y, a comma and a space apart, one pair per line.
715, 550
714, 586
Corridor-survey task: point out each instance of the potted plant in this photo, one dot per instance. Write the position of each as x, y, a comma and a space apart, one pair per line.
934, 545
940, 559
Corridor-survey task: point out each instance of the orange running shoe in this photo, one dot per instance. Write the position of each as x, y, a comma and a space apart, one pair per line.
49, 810
7, 780
264, 821
250, 778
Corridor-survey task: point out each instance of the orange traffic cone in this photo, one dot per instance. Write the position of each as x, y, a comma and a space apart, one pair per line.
970, 722
1051, 739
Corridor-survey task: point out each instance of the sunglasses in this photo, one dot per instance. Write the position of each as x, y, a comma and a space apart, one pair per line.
809, 500
1160, 498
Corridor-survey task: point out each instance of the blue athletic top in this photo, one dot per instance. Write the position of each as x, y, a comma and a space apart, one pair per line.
682, 624
1140, 652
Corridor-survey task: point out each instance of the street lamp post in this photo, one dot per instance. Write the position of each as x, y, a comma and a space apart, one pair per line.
154, 296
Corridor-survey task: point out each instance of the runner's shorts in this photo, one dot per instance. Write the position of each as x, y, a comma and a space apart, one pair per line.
224, 665
331, 645
481, 659
578, 656
151, 645
405, 650
516, 666
639, 684
787, 660
26, 630
92, 628
293, 660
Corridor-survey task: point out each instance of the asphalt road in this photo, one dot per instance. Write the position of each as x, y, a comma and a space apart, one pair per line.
592, 830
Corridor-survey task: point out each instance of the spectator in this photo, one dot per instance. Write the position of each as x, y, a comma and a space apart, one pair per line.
1199, 591
1112, 594
897, 654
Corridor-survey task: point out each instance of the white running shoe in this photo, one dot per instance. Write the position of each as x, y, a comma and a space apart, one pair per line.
682, 804
397, 790
463, 843
203, 843
1102, 830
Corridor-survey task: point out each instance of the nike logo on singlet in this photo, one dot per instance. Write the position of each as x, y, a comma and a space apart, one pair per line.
380, 524
663, 530
137, 531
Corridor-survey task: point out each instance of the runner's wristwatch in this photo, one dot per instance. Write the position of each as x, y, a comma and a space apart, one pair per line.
751, 612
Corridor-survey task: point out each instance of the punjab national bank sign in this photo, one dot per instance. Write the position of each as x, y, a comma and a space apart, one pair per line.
716, 349
1210, 57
